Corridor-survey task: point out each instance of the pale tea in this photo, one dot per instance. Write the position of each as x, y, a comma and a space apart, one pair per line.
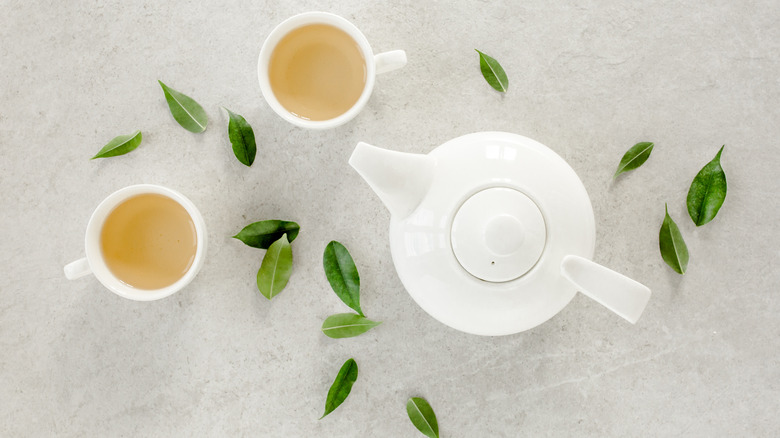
149, 241
317, 72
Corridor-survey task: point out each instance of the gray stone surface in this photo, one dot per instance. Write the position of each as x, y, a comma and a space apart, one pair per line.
588, 79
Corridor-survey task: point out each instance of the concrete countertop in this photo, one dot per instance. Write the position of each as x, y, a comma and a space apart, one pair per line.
217, 359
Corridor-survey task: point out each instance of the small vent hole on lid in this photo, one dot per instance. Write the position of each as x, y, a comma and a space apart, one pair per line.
492, 263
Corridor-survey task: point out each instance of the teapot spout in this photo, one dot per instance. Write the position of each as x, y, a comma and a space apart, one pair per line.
400, 179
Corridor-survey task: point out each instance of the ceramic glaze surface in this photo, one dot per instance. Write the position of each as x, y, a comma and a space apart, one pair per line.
422, 249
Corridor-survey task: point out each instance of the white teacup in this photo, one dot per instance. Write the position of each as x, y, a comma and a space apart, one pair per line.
94, 262
381, 63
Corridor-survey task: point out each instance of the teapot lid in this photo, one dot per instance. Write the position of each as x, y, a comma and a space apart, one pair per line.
498, 234
482, 251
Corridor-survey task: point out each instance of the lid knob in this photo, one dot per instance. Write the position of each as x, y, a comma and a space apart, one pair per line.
498, 234
504, 234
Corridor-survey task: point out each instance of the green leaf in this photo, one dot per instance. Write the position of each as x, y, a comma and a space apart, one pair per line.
707, 192
342, 275
634, 157
185, 110
341, 387
120, 145
493, 72
422, 416
276, 268
263, 233
673, 248
347, 325
242, 138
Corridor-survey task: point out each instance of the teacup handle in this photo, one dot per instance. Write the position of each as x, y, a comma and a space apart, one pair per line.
77, 269
389, 61
614, 291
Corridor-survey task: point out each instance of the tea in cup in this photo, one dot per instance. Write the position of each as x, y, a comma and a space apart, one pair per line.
317, 70
143, 242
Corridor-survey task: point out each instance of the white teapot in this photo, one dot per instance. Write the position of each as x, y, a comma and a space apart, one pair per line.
492, 233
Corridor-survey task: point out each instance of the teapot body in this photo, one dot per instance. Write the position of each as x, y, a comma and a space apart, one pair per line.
422, 242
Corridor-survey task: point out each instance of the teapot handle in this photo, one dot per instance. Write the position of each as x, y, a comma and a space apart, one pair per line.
614, 291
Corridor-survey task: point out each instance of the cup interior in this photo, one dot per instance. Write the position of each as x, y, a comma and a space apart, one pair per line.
95, 256
296, 22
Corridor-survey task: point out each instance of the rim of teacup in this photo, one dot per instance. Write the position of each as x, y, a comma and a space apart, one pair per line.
295, 22
95, 257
